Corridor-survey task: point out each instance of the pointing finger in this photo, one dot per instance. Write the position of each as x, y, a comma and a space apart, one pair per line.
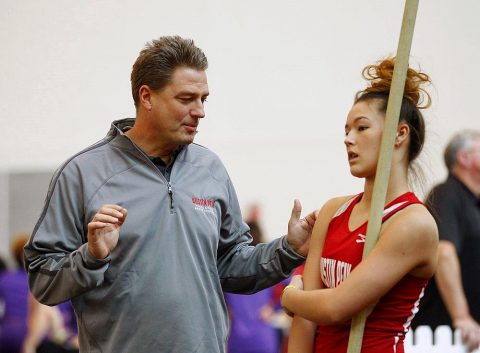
296, 210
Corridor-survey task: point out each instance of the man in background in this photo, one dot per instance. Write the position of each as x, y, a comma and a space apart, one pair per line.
454, 297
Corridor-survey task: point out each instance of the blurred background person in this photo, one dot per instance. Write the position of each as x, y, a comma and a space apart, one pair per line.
256, 320
454, 297
13, 300
51, 329
3, 265
26, 326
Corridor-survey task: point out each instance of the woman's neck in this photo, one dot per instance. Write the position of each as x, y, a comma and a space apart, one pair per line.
397, 185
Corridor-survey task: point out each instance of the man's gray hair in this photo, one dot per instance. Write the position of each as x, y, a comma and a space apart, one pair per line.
461, 141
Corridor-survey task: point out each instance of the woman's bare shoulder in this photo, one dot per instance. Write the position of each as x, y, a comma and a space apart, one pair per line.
335, 203
415, 223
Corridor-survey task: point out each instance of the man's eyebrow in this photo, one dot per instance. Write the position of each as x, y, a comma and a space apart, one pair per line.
191, 93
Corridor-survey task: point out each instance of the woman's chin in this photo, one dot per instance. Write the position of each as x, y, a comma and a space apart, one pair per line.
358, 173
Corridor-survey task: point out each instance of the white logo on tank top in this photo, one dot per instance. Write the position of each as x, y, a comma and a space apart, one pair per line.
361, 238
334, 271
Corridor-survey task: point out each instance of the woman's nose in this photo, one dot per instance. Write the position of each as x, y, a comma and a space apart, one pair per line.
349, 138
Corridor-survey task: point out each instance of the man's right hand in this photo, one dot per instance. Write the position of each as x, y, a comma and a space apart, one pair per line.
104, 229
470, 330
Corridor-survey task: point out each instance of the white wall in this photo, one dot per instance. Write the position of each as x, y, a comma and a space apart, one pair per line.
282, 77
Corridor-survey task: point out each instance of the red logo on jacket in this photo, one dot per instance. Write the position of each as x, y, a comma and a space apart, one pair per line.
203, 202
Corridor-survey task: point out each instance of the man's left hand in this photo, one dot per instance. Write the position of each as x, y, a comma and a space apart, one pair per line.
300, 230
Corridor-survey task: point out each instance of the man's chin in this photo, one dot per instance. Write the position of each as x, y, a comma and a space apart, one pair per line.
187, 141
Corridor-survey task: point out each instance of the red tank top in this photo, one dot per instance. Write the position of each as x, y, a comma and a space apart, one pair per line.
390, 320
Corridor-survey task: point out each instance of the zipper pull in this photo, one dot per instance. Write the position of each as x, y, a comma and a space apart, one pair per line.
170, 193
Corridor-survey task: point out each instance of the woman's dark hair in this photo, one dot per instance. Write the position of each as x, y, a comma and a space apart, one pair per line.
414, 98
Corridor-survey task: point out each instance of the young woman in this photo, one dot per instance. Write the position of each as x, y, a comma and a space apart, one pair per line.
337, 283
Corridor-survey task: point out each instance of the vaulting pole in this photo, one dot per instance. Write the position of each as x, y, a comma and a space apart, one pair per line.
385, 158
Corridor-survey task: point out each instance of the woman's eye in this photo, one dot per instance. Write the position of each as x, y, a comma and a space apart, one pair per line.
361, 128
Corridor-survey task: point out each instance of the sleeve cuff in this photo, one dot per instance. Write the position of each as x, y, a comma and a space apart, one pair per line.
290, 250
91, 261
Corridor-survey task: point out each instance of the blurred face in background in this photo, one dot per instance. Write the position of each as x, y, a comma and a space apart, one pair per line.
472, 158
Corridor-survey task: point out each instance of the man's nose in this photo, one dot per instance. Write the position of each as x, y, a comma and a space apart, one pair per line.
198, 111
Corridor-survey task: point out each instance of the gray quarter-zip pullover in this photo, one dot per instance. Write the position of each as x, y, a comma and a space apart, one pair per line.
184, 240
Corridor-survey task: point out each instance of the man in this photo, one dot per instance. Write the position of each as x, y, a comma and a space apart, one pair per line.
152, 281
453, 298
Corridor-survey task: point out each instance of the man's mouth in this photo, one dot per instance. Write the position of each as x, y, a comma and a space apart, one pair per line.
191, 127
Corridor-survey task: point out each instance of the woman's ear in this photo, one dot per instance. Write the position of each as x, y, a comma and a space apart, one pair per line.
403, 131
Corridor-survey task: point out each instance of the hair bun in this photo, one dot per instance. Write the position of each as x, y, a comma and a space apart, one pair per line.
380, 76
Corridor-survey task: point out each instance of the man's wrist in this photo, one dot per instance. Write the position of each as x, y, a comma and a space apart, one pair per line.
90, 260
292, 248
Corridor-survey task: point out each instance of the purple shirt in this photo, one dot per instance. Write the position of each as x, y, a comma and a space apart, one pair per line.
14, 300
248, 332
69, 319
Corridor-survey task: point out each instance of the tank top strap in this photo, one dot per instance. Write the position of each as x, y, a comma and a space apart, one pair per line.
400, 203
348, 205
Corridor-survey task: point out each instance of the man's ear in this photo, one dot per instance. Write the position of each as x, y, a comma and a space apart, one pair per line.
403, 131
145, 97
463, 159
